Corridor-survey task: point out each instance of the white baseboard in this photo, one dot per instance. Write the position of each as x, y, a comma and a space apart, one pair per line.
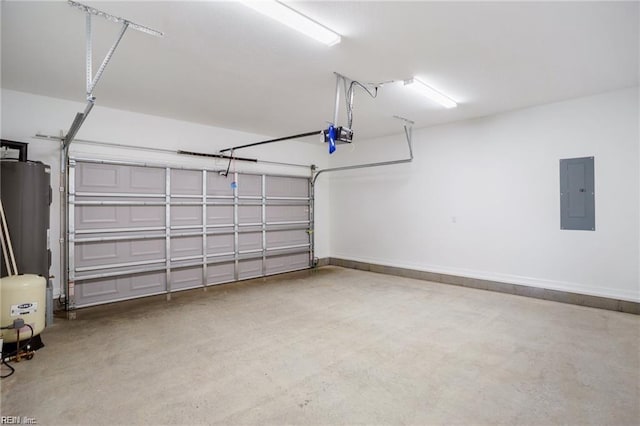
565, 286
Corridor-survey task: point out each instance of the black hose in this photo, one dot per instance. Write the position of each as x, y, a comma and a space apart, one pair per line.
13, 370
14, 353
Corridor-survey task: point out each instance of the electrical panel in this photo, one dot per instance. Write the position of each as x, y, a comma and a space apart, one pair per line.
577, 194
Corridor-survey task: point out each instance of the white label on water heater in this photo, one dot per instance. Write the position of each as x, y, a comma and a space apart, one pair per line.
24, 309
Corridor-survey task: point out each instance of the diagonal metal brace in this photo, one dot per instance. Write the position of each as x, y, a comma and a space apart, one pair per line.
77, 123
92, 80
90, 12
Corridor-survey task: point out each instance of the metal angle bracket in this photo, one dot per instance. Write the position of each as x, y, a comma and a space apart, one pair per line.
335, 134
92, 80
113, 18
408, 132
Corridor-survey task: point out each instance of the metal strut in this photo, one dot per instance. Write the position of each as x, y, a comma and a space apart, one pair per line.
116, 19
92, 80
226, 157
284, 138
408, 132
339, 79
78, 121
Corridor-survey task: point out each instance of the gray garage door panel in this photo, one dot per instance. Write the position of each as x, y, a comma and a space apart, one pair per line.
93, 292
186, 215
119, 241
292, 262
251, 268
287, 213
250, 241
185, 278
219, 186
220, 273
219, 215
114, 217
249, 214
278, 186
186, 182
109, 178
185, 247
277, 239
218, 244
117, 252
249, 185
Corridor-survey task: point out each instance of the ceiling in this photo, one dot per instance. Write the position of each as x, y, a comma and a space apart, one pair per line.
223, 64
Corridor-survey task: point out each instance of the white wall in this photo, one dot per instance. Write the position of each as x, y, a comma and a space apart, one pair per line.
24, 115
498, 176
481, 198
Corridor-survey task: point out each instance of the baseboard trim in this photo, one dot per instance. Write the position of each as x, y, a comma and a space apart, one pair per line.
323, 261
500, 287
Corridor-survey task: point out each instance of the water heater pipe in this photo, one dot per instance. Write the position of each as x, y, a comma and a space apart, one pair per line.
9, 246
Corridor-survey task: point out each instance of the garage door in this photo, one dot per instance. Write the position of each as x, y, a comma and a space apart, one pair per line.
137, 231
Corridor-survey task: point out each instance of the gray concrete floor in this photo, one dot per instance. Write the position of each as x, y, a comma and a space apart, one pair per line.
334, 346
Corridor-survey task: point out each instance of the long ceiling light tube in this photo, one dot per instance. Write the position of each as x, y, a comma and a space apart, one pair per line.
293, 19
425, 90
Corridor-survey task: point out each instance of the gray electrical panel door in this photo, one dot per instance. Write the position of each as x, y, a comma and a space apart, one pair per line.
577, 194
142, 230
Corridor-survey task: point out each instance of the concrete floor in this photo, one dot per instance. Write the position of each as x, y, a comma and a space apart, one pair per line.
334, 346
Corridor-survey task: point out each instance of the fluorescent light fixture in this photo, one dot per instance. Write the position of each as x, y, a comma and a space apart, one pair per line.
430, 92
294, 19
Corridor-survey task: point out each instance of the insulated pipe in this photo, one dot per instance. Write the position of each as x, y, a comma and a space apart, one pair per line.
5, 231
7, 264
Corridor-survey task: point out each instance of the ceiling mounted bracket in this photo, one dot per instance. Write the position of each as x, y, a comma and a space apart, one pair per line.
335, 134
97, 12
408, 132
90, 12
336, 109
92, 80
